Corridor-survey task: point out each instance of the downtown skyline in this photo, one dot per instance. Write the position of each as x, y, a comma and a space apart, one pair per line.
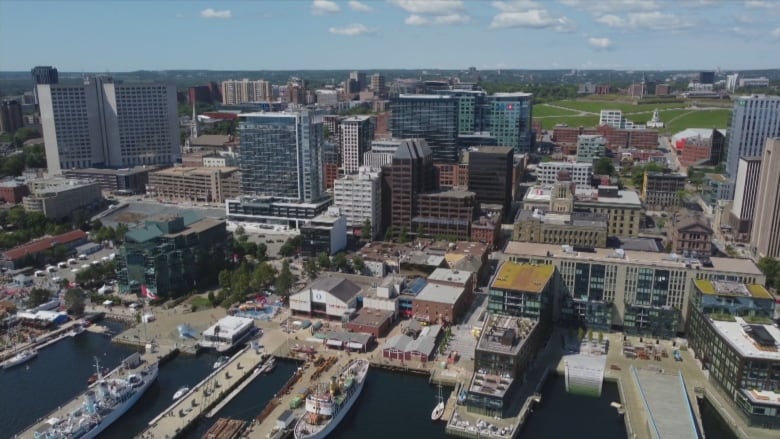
324, 34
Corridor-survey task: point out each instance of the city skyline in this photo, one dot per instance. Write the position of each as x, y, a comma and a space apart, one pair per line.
524, 34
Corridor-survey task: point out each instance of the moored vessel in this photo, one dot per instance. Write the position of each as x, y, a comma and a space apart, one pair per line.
20, 358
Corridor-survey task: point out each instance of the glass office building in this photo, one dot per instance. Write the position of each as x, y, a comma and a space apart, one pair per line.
510, 120
430, 117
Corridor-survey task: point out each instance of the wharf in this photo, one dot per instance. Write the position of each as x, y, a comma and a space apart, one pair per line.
225, 428
210, 391
41, 341
256, 373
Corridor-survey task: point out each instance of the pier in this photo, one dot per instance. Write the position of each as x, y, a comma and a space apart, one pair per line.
202, 397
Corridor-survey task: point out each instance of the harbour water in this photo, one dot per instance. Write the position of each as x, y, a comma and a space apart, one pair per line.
392, 405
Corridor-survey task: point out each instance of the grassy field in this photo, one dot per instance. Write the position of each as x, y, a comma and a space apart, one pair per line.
597, 106
700, 119
543, 110
549, 123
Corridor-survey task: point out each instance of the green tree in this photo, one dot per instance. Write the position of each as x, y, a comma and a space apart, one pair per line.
261, 253
263, 276
74, 301
323, 260
310, 268
120, 231
224, 279
420, 231
365, 231
240, 231
604, 166
771, 269
38, 296
389, 234
402, 236
285, 280
212, 298
340, 262
358, 265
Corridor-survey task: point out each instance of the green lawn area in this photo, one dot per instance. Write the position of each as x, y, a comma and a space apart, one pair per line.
200, 302
700, 119
543, 110
549, 123
597, 106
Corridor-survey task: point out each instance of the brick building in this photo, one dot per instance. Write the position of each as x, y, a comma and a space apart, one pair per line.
453, 175
12, 191
445, 213
438, 303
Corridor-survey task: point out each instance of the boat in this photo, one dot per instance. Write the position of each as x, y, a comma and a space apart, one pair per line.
94, 377
77, 329
221, 361
110, 398
20, 358
181, 392
228, 333
268, 366
462, 397
439, 409
329, 403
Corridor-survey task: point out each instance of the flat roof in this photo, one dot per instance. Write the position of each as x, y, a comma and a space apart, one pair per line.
583, 195
734, 333
195, 170
371, 317
495, 329
440, 293
522, 277
729, 265
228, 326
667, 404
450, 275
724, 288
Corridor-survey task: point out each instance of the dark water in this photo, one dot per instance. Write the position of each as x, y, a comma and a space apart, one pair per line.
562, 414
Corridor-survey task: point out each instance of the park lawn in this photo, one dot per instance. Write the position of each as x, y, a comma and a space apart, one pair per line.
597, 106
549, 123
200, 302
700, 119
543, 110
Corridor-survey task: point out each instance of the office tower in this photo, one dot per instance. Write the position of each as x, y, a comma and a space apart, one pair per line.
238, 92
359, 197
753, 120
378, 84
10, 116
473, 110
359, 81
281, 155
103, 124
765, 236
706, 77
355, 139
731, 82
410, 173
510, 120
43, 75
430, 117
743, 208
490, 175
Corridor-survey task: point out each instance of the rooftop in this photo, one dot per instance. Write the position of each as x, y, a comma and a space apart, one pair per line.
199, 170
504, 334
371, 317
229, 325
728, 265
541, 193
42, 244
211, 140
522, 277
342, 289
724, 288
750, 340
440, 293
667, 404
449, 275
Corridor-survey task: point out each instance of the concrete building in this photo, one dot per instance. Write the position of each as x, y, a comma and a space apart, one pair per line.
453, 175
490, 175
381, 153
326, 297
103, 124
444, 214
273, 212
583, 229
743, 208
355, 140
378, 84
659, 189
410, 173
359, 197
11, 116
126, 181
753, 120
57, 198
638, 291
326, 233
327, 98
615, 119
691, 235
700, 146
590, 147
731, 332
579, 173
238, 92
524, 290
204, 185
765, 238
168, 257
43, 75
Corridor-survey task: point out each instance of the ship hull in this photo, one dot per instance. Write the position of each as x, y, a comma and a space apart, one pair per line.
336, 420
18, 361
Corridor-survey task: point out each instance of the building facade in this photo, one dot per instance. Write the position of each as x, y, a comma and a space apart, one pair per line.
410, 173
444, 214
325, 233
43, 75
430, 117
57, 198
236, 92
359, 197
743, 208
510, 120
11, 116
103, 124
490, 175
765, 238
201, 184
355, 140
590, 147
692, 235
659, 190
753, 120
579, 173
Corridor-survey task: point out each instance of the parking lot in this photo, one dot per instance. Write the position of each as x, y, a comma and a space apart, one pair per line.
50, 279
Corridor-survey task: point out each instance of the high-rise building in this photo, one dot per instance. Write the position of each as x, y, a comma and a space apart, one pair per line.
743, 208
430, 117
355, 139
238, 92
10, 116
706, 77
103, 124
753, 120
281, 155
378, 84
359, 197
410, 173
382, 152
765, 238
43, 75
510, 120
490, 175
359, 81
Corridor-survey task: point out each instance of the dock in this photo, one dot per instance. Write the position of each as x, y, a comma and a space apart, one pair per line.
212, 390
225, 428
256, 373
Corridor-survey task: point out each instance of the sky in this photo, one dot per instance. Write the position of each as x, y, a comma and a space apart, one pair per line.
115, 35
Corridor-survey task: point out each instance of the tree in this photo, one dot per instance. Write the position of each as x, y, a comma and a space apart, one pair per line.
212, 298
262, 251
263, 276
358, 265
38, 296
402, 236
389, 234
74, 301
310, 268
240, 231
340, 262
580, 334
323, 260
771, 269
365, 231
224, 279
284, 281
121, 229
601, 337
604, 166
420, 231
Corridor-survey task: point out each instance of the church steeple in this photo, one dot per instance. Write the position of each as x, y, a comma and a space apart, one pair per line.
194, 124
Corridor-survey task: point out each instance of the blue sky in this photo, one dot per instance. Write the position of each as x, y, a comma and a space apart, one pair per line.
322, 34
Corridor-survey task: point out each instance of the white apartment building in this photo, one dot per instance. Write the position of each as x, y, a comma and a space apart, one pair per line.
99, 123
590, 147
327, 98
359, 197
355, 138
580, 173
615, 119
382, 152
238, 92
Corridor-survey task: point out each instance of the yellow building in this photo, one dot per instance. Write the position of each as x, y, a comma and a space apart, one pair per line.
200, 184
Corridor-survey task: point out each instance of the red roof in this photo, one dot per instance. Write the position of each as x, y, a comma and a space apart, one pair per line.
42, 244
224, 116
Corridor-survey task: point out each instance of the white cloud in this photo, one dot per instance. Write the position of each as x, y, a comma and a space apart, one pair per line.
647, 20
353, 30
534, 18
360, 7
211, 13
762, 4
322, 7
416, 20
444, 20
431, 7
776, 33
599, 7
600, 43
516, 6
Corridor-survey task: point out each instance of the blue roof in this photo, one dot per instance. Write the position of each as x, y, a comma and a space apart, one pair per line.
416, 286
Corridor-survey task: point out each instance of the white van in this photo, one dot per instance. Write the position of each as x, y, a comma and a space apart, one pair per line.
62, 264
83, 257
72, 261
95, 262
40, 273
51, 268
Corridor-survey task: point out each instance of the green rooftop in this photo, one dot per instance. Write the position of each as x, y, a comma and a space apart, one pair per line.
721, 288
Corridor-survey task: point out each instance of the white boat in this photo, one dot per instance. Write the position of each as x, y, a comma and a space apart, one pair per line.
20, 358
181, 392
268, 366
439, 409
328, 405
221, 361
109, 399
77, 329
